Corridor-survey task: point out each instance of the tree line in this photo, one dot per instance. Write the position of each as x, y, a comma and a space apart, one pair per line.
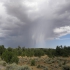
10, 54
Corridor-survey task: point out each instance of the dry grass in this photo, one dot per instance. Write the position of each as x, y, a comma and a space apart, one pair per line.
51, 63
44, 62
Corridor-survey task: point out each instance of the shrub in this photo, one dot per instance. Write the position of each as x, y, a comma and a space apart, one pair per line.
38, 66
66, 67
60, 64
0, 59
3, 63
33, 62
56, 66
11, 67
15, 59
45, 68
64, 62
9, 57
16, 67
24, 68
38, 52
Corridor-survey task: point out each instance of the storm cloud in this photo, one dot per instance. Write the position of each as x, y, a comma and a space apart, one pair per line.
29, 22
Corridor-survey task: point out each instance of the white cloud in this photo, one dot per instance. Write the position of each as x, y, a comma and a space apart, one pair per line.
2, 10
61, 31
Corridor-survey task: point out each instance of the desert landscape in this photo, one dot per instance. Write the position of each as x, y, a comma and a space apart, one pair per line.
22, 58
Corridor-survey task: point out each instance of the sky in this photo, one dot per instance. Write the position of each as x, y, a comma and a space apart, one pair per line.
34, 23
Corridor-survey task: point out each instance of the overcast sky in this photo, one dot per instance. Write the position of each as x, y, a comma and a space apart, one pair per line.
34, 23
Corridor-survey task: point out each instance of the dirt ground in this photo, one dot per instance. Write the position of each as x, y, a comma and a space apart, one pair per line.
2, 67
44, 61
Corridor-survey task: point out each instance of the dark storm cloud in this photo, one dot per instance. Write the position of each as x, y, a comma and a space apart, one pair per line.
16, 9
27, 25
65, 8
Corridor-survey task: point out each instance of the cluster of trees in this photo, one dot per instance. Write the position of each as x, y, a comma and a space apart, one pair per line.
10, 54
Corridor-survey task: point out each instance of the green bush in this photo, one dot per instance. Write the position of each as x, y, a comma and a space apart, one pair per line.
60, 64
38, 52
15, 59
45, 68
42, 67
9, 57
38, 66
33, 62
66, 67
64, 63
2, 49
